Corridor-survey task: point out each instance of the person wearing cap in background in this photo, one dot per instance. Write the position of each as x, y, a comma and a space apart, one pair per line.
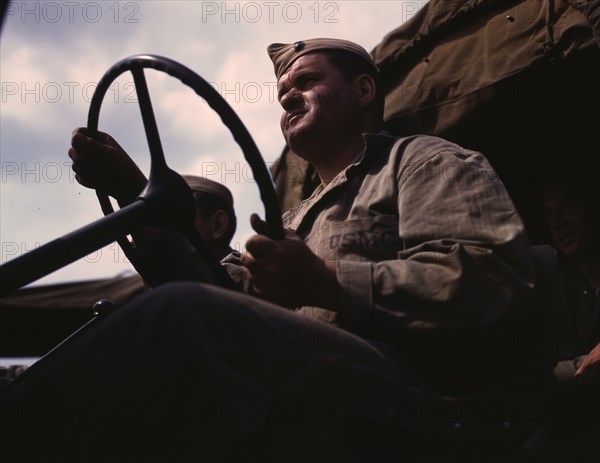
215, 215
404, 278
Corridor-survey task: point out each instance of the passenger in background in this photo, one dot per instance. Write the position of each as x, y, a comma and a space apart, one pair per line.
574, 224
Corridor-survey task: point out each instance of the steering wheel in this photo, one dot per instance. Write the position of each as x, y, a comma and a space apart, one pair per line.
166, 201
166, 190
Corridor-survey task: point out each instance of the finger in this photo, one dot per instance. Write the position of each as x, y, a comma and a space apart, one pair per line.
82, 139
97, 135
261, 247
76, 156
102, 137
78, 165
81, 142
260, 226
73, 154
250, 261
84, 183
246, 259
82, 163
79, 130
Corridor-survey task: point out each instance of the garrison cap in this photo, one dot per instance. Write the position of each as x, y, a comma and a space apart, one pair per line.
204, 185
284, 54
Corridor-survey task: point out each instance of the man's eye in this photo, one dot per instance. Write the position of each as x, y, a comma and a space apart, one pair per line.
305, 81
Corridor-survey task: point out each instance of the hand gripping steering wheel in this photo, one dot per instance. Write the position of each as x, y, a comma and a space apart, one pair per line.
168, 193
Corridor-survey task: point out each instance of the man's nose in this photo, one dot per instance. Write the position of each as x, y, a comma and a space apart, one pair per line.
291, 100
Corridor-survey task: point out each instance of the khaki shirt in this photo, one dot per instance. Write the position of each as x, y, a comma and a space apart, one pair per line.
430, 250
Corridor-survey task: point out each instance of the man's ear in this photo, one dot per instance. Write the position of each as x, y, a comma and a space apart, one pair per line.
219, 223
365, 88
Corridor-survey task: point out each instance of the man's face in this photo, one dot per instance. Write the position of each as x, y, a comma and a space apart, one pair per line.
319, 104
567, 219
204, 227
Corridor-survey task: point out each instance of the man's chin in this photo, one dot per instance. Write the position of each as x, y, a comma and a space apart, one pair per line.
297, 139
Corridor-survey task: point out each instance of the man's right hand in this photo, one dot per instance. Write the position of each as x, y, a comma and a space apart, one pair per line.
100, 163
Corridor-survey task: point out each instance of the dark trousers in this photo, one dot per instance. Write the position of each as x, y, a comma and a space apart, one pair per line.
191, 372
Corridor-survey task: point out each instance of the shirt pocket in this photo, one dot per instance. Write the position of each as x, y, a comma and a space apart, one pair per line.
365, 239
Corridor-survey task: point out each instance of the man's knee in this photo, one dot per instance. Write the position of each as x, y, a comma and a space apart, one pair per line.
179, 299
195, 308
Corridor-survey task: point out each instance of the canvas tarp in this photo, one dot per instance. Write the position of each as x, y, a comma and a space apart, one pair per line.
516, 80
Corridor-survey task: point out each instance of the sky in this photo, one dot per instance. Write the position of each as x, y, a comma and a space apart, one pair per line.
52, 54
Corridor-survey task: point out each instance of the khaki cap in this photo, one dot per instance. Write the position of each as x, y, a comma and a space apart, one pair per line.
284, 54
204, 185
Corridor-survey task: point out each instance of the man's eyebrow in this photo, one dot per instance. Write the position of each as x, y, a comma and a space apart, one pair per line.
307, 70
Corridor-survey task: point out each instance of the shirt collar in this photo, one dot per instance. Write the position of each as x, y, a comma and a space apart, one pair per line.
375, 144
